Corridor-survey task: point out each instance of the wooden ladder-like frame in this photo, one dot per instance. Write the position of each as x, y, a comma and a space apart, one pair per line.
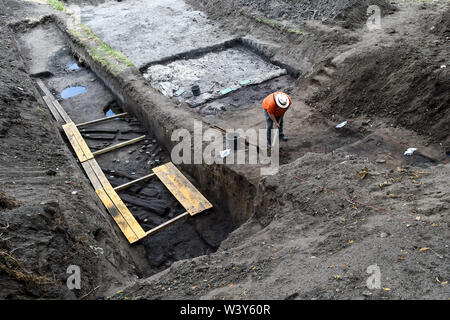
182, 189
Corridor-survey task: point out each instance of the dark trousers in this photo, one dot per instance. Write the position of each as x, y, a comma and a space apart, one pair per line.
270, 125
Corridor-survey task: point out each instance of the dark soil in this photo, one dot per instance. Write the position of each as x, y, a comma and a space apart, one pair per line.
408, 83
351, 13
317, 225
44, 227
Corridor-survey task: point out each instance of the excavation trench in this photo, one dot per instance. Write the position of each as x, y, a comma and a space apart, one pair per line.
159, 101
88, 91
85, 97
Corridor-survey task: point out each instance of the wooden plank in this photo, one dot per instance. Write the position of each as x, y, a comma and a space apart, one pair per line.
74, 143
119, 145
129, 184
52, 109
76, 140
84, 124
189, 197
43, 88
61, 111
117, 216
56, 104
166, 224
81, 142
115, 213
91, 175
126, 214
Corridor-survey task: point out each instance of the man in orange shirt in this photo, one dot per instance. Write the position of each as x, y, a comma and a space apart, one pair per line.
275, 105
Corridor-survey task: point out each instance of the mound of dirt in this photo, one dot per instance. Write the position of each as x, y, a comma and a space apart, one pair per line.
351, 13
442, 26
317, 228
405, 83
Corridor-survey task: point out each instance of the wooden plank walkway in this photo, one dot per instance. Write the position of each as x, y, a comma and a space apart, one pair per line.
118, 210
56, 109
191, 199
78, 144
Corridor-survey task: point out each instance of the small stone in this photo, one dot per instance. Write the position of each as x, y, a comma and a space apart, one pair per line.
391, 30
51, 207
367, 293
383, 235
50, 202
51, 172
381, 161
74, 192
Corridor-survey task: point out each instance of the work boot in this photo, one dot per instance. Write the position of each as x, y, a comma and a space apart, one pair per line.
283, 137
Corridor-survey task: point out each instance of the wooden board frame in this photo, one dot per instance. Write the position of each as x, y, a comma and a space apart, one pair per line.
191, 199
78, 144
182, 189
52, 103
115, 206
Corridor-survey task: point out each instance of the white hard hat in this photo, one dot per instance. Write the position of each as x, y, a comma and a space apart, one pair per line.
282, 100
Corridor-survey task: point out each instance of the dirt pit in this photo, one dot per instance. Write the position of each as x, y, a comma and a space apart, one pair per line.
216, 73
84, 97
246, 96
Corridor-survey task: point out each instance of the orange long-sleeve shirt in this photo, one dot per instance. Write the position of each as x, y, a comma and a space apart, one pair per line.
271, 106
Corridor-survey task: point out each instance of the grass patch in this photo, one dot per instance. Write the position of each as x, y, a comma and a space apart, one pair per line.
16, 270
57, 5
101, 52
